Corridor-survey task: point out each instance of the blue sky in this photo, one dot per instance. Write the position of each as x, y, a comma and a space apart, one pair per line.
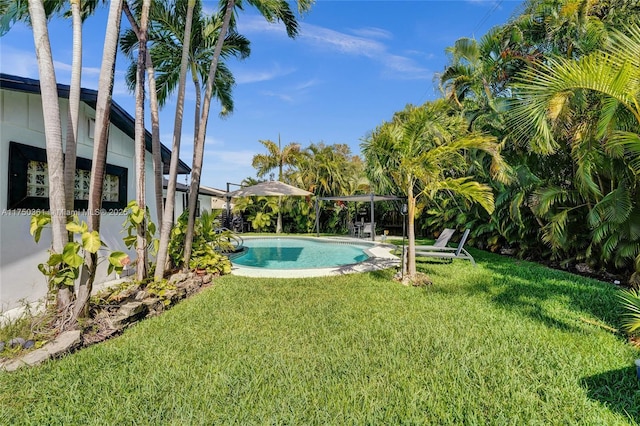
354, 64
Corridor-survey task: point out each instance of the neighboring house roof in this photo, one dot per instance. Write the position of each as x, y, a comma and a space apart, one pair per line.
214, 192
204, 190
119, 117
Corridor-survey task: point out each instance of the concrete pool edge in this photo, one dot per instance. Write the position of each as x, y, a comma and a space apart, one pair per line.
380, 257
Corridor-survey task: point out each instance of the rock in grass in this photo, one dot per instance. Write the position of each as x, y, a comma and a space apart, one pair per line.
15, 342
2, 346
28, 344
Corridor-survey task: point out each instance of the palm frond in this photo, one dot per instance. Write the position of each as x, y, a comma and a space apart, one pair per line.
631, 304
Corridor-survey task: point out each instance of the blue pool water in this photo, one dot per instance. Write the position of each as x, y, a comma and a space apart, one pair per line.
299, 253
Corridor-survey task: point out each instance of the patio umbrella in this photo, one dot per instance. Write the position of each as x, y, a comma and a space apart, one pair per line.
271, 188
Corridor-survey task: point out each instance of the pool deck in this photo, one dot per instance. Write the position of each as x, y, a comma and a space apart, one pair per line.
380, 257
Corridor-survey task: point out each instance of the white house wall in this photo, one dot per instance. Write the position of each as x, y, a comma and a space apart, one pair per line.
21, 121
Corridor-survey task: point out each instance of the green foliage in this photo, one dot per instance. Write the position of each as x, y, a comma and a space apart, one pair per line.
260, 211
212, 262
631, 304
208, 239
62, 269
137, 218
160, 289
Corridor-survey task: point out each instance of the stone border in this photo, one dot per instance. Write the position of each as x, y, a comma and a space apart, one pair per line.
126, 308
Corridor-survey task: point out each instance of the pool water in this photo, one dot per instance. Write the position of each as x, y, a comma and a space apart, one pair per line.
299, 253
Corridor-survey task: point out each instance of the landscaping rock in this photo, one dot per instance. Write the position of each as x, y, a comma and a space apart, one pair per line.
29, 344
141, 295
18, 341
128, 313
207, 279
179, 277
62, 344
155, 306
2, 346
190, 286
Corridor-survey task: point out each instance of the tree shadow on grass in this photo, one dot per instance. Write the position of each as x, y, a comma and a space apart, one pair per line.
618, 390
533, 290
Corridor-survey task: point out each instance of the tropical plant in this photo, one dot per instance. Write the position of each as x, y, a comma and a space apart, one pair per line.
98, 164
421, 152
63, 268
53, 135
166, 36
211, 262
630, 300
167, 216
135, 218
601, 90
276, 158
272, 11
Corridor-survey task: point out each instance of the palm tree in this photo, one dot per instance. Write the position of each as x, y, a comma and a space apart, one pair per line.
153, 104
103, 108
277, 157
166, 35
53, 133
421, 152
273, 10
167, 217
607, 148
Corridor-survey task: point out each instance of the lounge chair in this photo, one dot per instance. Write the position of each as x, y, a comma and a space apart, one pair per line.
443, 239
445, 252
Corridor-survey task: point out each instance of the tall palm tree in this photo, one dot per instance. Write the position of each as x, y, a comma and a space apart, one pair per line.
53, 133
607, 152
103, 108
166, 37
272, 11
167, 217
158, 168
276, 158
140, 141
421, 152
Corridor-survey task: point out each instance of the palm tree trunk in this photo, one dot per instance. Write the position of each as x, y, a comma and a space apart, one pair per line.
65, 295
167, 218
100, 142
140, 149
158, 168
411, 234
155, 119
74, 106
198, 148
53, 134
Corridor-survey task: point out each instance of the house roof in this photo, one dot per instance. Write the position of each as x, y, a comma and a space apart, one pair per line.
204, 190
119, 117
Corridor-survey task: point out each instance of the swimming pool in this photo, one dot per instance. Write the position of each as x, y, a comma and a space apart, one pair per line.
300, 253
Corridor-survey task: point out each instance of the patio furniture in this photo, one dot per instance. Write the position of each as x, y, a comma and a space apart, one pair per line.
368, 229
446, 252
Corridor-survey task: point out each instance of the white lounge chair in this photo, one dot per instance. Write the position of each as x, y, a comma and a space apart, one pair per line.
446, 252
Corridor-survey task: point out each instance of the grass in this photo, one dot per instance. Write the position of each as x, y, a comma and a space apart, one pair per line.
505, 342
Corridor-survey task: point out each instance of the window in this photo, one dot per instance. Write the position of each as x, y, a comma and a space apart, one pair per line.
29, 181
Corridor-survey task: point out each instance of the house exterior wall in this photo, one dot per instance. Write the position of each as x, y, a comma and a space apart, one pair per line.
21, 121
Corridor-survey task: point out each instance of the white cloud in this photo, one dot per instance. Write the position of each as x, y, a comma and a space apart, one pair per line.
363, 42
373, 33
18, 62
244, 76
279, 95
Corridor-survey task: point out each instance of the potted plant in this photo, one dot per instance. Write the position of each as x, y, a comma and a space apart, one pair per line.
200, 265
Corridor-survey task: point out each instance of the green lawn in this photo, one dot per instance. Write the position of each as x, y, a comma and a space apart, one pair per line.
506, 342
